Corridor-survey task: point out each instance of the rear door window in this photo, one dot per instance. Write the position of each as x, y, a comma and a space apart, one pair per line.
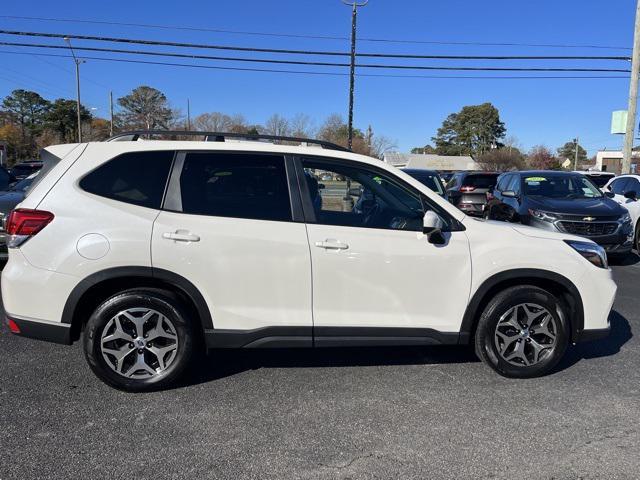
235, 185
138, 178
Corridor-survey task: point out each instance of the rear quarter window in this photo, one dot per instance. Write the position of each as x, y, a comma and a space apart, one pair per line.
138, 178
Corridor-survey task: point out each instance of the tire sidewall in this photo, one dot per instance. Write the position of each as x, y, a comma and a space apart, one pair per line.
498, 307
137, 299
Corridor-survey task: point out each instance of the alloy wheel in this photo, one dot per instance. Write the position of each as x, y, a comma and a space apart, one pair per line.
139, 343
526, 334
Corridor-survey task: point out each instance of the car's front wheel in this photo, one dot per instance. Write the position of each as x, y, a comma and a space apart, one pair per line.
523, 332
139, 340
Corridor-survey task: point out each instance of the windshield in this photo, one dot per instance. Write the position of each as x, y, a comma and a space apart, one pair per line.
560, 186
430, 180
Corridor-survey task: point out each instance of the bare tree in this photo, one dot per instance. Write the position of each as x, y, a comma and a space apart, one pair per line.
301, 125
213, 122
277, 125
501, 160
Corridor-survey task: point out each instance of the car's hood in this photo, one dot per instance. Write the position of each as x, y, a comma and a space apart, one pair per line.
9, 200
576, 206
501, 229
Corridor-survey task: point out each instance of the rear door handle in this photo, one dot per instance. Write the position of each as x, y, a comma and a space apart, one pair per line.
181, 236
332, 245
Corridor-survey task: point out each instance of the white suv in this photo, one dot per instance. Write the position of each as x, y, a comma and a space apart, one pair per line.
152, 250
625, 190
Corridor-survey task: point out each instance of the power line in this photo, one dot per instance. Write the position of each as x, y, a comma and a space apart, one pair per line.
315, 37
307, 52
316, 73
324, 64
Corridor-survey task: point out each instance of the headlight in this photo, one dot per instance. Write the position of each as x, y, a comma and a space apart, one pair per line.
626, 218
593, 252
544, 216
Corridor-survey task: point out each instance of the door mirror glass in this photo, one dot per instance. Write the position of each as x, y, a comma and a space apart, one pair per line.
509, 194
631, 195
432, 227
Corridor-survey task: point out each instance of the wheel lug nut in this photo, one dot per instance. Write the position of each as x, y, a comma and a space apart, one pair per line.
141, 351
131, 345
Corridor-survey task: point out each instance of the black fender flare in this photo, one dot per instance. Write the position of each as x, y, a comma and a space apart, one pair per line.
157, 274
522, 275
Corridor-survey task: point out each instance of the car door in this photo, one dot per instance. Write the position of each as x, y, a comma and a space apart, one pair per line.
229, 226
374, 271
631, 204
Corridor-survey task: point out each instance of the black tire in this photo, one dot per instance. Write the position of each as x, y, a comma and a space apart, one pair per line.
485, 344
159, 300
637, 238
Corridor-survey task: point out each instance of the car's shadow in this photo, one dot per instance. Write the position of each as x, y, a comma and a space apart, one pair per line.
627, 260
218, 364
620, 334
224, 363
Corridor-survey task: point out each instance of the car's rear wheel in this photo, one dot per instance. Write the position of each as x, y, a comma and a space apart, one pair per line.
139, 340
523, 332
637, 238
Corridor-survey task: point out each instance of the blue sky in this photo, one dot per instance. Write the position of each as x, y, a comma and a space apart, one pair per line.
408, 110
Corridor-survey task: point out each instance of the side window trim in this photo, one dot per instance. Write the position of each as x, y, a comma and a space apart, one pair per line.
297, 213
173, 198
309, 214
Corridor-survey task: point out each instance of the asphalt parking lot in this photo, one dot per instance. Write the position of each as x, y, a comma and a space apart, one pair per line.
358, 413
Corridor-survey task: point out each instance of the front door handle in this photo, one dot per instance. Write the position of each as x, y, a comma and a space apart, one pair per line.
330, 244
181, 236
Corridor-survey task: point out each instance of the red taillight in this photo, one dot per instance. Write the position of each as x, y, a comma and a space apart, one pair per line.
27, 222
467, 188
13, 326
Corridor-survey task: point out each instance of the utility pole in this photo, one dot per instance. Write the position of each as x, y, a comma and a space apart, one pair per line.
576, 141
633, 96
111, 114
352, 71
347, 201
77, 61
188, 115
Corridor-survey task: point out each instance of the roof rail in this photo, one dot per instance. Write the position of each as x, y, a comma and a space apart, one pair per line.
134, 135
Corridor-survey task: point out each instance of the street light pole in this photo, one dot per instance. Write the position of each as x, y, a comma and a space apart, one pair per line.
77, 61
633, 96
575, 161
352, 70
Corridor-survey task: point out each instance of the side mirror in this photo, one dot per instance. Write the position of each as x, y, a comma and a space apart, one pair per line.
432, 226
609, 194
631, 195
509, 194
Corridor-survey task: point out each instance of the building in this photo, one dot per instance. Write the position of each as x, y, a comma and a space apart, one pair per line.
611, 161
431, 162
